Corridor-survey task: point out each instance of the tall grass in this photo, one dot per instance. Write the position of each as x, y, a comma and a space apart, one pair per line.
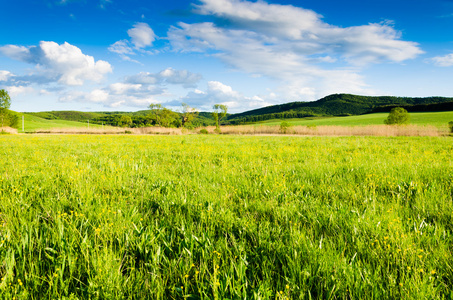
370, 130
225, 217
8, 130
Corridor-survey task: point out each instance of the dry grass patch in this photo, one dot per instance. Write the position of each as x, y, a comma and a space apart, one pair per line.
372, 130
8, 130
113, 130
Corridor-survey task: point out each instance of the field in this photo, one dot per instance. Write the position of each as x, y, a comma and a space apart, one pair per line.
225, 217
439, 119
33, 123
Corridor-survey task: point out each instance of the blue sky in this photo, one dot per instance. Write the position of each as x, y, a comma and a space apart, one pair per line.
112, 55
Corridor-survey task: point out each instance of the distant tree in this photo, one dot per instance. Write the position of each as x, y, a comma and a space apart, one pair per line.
284, 126
164, 117
450, 126
188, 115
169, 118
5, 103
397, 116
220, 111
125, 121
155, 114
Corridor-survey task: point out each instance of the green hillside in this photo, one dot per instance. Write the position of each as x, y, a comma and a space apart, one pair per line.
439, 119
339, 105
32, 123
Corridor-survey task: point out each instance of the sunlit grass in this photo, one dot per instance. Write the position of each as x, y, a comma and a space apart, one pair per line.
33, 123
439, 119
225, 217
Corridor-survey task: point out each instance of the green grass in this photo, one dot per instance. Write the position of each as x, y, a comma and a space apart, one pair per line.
33, 123
225, 217
439, 119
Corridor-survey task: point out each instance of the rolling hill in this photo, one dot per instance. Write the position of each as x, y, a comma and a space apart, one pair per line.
341, 105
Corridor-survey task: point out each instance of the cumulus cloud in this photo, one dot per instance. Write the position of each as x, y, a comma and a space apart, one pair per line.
17, 90
291, 44
310, 35
5, 75
138, 90
219, 93
168, 76
141, 37
183, 77
63, 63
443, 61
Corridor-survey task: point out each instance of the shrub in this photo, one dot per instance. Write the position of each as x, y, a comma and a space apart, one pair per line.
450, 126
397, 116
284, 126
204, 131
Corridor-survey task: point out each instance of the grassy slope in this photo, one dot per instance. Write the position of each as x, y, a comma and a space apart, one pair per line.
427, 118
33, 123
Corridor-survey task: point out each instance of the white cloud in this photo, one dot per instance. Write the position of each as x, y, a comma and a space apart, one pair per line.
139, 90
141, 35
121, 47
310, 57
219, 93
305, 29
183, 77
168, 76
20, 53
5, 75
65, 63
443, 61
18, 90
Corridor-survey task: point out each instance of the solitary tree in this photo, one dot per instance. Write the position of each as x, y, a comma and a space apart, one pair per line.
219, 113
188, 115
5, 103
156, 111
397, 116
163, 116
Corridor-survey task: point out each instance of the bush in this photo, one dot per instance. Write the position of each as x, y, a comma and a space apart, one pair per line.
204, 131
9, 118
397, 116
450, 126
284, 126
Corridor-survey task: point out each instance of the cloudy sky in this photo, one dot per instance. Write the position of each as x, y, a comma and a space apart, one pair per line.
104, 55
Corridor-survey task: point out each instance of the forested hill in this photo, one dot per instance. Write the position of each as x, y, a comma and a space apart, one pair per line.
335, 105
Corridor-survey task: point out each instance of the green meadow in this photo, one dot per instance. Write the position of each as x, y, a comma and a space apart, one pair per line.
225, 217
34, 123
439, 119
